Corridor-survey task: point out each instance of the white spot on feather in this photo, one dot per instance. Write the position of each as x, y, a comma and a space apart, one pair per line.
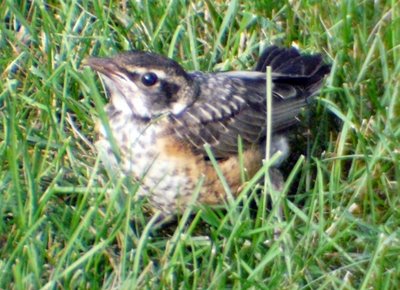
217, 112
206, 114
178, 108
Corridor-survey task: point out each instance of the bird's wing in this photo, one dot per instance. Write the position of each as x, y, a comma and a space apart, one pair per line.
234, 103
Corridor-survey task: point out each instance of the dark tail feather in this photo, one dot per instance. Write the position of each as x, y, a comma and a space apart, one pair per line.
306, 71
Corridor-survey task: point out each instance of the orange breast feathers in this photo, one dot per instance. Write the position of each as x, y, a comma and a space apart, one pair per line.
195, 165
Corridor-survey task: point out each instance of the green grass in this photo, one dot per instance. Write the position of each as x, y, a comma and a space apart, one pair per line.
62, 222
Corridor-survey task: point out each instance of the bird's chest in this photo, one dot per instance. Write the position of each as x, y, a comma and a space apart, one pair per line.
150, 157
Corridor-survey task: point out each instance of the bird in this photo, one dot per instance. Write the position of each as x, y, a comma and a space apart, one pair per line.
161, 117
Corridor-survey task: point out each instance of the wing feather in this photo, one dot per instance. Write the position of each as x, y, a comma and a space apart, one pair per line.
233, 103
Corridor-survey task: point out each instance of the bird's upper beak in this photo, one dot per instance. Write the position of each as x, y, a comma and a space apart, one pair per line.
104, 66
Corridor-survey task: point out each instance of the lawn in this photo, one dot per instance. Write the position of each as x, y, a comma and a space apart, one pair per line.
67, 223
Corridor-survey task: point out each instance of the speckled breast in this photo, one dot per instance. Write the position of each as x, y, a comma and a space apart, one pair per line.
166, 175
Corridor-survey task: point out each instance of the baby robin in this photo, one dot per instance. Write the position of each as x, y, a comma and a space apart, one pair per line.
161, 117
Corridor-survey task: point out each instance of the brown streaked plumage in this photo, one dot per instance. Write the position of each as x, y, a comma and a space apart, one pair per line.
162, 116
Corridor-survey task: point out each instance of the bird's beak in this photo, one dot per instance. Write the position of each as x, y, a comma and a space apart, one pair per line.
105, 66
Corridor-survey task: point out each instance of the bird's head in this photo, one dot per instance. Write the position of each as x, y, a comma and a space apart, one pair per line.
145, 84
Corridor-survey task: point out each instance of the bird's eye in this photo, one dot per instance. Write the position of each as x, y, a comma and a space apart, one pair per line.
149, 79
